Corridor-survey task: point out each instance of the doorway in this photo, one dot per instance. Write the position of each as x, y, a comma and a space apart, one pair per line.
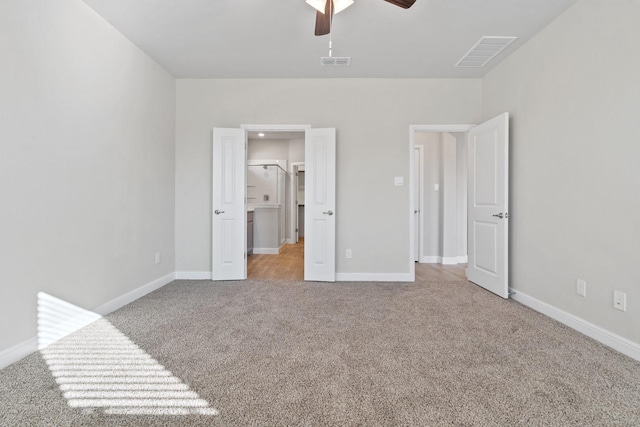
229, 219
441, 190
437, 156
274, 159
486, 198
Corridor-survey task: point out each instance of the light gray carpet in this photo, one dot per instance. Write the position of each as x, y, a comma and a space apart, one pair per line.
294, 353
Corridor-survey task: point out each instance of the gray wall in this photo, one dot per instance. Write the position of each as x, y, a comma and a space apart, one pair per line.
574, 95
372, 118
86, 162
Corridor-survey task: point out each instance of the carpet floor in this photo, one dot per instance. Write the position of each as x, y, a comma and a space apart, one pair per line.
269, 353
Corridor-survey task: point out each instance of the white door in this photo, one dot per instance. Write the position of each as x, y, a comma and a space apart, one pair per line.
418, 177
229, 216
296, 205
488, 203
320, 197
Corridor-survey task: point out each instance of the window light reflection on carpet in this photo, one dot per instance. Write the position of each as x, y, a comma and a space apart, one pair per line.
97, 367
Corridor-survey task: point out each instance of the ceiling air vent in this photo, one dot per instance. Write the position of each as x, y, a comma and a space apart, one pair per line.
484, 51
335, 61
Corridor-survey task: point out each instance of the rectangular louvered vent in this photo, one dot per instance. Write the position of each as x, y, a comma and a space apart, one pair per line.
484, 51
335, 61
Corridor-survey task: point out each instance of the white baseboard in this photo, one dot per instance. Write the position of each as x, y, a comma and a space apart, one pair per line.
267, 251
193, 275
129, 297
444, 260
18, 351
374, 277
25, 348
618, 343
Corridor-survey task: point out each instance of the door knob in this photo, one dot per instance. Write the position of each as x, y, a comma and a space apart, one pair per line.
500, 215
328, 213
217, 212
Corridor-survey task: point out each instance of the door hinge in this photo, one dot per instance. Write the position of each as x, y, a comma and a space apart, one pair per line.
296, 230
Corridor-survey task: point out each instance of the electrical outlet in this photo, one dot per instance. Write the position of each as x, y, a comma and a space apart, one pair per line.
157, 257
620, 300
581, 287
349, 254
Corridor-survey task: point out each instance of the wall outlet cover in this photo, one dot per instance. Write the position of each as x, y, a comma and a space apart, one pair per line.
620, 300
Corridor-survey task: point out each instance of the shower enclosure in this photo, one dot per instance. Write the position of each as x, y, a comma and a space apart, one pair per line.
266, 185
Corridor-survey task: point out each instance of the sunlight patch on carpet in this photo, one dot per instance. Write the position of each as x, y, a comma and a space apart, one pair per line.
98, 368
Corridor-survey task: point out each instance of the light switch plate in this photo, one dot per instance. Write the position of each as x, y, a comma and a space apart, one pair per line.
581, 287
436, 187
398, 181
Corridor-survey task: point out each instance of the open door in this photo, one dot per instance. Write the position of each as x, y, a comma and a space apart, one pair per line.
320, 197
229, 216
488, 203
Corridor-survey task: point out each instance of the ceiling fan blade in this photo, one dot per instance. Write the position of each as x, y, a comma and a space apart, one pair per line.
323, 20
405, 4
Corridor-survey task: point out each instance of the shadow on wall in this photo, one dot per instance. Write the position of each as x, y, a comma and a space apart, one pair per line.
98, 368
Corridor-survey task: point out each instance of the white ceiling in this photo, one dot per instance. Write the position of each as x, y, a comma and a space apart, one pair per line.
274, 38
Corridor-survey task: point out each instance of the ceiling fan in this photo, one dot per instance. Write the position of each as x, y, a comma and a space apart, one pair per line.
327, 8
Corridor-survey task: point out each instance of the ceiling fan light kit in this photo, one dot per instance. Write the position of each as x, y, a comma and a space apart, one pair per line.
327, 8
338, 5
324, 18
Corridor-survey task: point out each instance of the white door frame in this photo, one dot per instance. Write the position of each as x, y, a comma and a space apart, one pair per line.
413, 129
294, 168
419, 204
277, 128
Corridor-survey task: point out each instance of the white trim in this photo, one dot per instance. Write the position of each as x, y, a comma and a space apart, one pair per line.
463, 259
193, 275
621, 344
431, 260
266, 251
440, 128
133, 295
375, 277
25, 348
420, 201
18, 352
450, 260
412, 205
275, 128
